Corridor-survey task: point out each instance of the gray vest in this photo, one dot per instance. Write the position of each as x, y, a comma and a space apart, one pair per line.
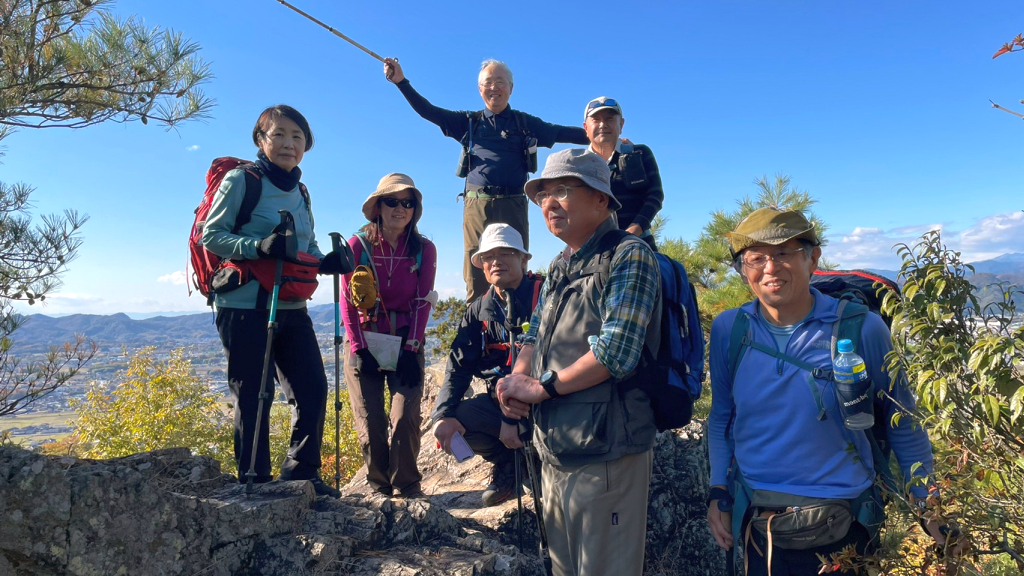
604, 422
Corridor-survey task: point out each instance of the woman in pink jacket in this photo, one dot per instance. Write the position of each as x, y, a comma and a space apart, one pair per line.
404, 264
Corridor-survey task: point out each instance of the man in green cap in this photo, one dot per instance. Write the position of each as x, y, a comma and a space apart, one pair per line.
778, 445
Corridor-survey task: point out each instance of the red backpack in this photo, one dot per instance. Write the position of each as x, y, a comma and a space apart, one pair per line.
205, 263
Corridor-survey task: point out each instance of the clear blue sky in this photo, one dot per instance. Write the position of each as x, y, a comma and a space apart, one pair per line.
878, 109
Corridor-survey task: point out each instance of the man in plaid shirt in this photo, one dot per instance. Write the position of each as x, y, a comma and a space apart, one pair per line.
593, 426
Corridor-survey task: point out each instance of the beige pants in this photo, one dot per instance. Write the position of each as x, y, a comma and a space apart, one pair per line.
477, 214
596, 516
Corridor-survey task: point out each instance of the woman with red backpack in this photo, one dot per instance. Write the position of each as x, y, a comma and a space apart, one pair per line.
387, 305
250, 239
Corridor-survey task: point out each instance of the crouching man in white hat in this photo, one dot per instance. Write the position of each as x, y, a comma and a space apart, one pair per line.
482, 349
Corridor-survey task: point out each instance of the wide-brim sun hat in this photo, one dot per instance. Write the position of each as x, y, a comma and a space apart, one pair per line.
499, 236
771, 226
576, 163
390, 184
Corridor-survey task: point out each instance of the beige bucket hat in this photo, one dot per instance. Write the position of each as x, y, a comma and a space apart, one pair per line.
394, 182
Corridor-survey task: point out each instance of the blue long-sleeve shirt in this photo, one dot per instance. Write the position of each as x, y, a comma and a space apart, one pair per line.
775, 437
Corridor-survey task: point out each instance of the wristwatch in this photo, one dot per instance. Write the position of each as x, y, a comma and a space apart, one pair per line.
547, 382
723, 497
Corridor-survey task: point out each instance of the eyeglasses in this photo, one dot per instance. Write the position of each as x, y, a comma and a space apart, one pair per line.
494, 83
498, 255
559, 193
407, 203
601, 104
759, 261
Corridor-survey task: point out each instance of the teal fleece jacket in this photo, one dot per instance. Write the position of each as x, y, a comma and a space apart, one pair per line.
217, 236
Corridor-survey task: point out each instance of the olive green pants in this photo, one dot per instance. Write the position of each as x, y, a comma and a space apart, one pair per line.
477, 214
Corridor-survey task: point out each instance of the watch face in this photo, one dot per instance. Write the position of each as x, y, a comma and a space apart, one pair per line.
547, 377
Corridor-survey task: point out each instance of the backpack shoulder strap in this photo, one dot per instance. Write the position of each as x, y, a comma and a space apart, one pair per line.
366, 258
739, 341
852, 316
521, 124
607, 246
253, 191
851, 320
538, 282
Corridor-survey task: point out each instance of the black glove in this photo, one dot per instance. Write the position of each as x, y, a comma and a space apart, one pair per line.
366, 363
273, 246
340, 261
409, 369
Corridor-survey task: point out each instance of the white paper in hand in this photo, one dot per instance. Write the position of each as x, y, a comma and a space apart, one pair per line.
385, 349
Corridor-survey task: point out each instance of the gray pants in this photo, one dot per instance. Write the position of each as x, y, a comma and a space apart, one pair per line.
596, 515
390, 461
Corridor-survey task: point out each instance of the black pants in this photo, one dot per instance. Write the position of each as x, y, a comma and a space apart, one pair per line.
799, 562
481, 418
296, 356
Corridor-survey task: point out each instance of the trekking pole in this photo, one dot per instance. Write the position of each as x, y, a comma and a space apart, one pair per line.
264, 395
335, 246
526, 435
509, 319
336, 33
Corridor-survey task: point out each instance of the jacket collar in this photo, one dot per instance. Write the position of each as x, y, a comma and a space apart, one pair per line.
523, 295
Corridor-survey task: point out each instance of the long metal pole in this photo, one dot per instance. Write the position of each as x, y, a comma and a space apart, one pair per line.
336, 33
335, 246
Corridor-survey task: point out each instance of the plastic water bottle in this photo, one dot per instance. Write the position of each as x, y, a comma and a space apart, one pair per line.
853, 387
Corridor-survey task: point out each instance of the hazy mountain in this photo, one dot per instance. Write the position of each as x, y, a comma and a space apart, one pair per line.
1012, 264
113, 331
116, 330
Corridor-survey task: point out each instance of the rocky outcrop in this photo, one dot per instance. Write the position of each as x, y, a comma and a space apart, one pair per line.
171, 513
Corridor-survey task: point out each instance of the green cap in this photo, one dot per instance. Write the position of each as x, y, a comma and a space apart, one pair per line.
770, 226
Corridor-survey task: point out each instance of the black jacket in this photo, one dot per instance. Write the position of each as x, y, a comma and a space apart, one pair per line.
470, 356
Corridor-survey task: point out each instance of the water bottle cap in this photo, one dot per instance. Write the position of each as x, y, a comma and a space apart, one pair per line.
845, 346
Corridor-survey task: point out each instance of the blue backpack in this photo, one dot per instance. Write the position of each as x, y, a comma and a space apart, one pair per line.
673, 375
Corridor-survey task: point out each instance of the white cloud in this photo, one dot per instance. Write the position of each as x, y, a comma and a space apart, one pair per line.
993, 236
869, 247
192, 148
177, 278
987, 238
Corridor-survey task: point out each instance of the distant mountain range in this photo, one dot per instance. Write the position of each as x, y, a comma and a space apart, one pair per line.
39, 332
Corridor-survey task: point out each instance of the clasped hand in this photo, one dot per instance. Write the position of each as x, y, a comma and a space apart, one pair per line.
515, 394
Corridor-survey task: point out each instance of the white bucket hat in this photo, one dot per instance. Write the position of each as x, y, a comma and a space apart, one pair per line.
499, 236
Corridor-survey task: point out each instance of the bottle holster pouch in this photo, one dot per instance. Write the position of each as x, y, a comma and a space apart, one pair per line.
530, 154
631, 167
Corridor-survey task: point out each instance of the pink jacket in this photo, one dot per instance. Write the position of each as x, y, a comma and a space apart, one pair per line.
401, 288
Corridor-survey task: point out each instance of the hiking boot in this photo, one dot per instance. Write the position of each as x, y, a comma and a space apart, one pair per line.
323, 489
502, 486
415, 493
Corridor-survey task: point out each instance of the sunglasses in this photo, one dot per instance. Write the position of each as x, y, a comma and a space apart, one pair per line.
407, 203
600, 104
